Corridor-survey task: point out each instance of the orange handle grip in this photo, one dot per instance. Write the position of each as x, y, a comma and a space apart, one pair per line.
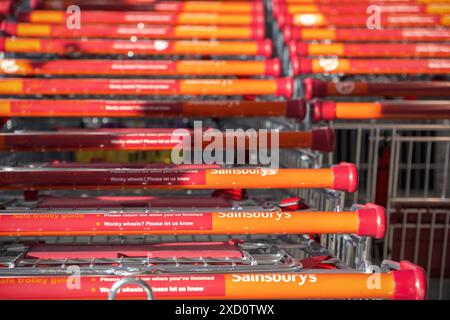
365, 35
125, 47
370, 50
336, 9
356, 1
321, 139
330, 110
315, 88
127, 31
166, 6
340, 177
151, 108
387, 20
368, 221
407, 283
26, 67
370, 66
279, 87
146, 17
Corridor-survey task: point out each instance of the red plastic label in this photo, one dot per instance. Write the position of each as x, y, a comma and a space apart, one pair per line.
113, 222
163, 286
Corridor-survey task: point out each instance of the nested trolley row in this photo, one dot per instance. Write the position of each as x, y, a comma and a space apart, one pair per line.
131, 229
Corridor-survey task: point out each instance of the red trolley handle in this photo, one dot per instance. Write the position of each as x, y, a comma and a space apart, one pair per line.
314, 88
253, 7
362, 34
355, 20
129, 47
407, 110
370, 66
319, 139
28, 67
29, 86
369, 220
408, 282
295, 108
161, 32
343, 177
146, 17
402, 50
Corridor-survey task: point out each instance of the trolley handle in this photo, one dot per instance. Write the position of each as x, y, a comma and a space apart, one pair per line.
146, 17
30, 86
315, 88
341, 177
161, 32
366, 221
319, 139
360, 20
271, 67
407, 283
124, 47
336, 9
331, 110
253, 7
358, 34
302, 49
367, 66
295, 108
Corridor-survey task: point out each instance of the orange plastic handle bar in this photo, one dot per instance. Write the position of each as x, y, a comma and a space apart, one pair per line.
146, 17
165, 6
151, 108
279, 87
370, 50
367, 221
357, 1
336, 9
131, 48
130, 31
366, 35
370, 66
407, 283
315, 88
321, 139
340, 177
360, 20
27, 67
330, 110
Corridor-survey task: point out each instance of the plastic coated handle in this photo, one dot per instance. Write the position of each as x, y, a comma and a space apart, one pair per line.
316, 88
330, 110
321, 139
146, 17
128, 31
407, 283
341, 177
365, 35
152, 109
90, 67
367, 221
370, 66
128, 47
29, 86
370, 50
